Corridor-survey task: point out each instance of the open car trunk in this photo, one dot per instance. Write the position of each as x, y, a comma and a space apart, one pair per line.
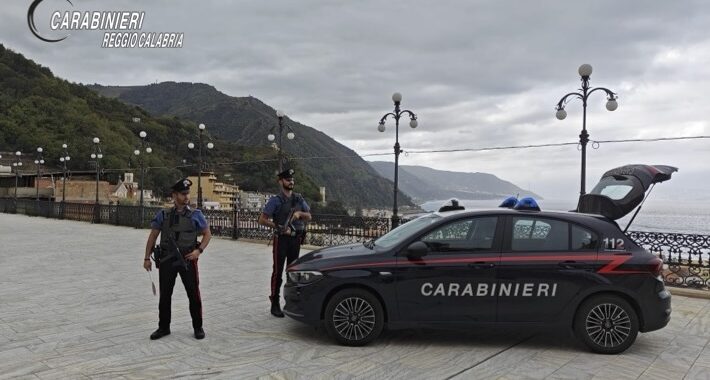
620, 190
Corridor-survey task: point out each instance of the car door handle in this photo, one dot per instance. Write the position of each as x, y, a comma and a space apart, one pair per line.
481, 265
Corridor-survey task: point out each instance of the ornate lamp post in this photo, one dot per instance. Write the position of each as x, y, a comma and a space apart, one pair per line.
39, 161
191, 146
64, 159
17, 164
585, 71
97, 156
397, 99
290, 135
141, 161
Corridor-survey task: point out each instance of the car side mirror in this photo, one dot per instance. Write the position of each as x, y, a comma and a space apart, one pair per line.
417, 250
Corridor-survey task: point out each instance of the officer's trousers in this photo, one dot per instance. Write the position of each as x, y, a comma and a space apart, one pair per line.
286, 249
191, 280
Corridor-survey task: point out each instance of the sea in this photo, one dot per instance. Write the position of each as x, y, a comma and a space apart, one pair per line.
656, 215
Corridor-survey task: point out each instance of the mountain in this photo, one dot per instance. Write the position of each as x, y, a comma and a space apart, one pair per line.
38, 109
246, 121
425, 184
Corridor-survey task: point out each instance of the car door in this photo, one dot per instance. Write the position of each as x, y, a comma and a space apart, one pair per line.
545, 262
452, 281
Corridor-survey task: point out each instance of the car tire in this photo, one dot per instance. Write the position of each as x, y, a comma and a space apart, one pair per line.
607, 324
354, 317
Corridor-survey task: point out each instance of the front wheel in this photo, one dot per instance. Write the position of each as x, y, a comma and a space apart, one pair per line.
607, 324
354, 317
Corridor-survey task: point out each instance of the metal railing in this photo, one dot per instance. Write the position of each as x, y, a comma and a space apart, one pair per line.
687, 256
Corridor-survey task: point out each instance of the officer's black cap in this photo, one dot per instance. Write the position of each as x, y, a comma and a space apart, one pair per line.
286, 174
181, 186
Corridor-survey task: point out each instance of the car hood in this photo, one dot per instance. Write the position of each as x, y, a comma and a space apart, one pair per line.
332, 253
620, 190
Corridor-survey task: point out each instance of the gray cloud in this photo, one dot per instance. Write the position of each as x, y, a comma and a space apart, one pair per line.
477, 73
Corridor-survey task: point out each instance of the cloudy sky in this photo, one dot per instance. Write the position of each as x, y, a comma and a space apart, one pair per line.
477, 73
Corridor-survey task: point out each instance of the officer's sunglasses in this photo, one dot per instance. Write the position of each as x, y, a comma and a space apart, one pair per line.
288, 179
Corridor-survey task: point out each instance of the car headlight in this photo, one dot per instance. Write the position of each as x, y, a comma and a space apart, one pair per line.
304, 277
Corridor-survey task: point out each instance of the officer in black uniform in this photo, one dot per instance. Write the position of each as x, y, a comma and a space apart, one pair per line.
287, 213
178, 253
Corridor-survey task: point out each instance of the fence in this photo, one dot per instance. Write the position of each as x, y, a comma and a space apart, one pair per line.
686, 256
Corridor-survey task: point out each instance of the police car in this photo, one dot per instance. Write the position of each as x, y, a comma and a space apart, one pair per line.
509, 265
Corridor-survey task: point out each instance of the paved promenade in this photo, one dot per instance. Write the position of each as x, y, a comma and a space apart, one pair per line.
75, 303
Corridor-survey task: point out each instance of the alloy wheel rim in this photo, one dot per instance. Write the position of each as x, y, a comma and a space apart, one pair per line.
608, 325
354, 318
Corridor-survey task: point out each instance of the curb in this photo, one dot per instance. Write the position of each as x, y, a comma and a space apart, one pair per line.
685, 292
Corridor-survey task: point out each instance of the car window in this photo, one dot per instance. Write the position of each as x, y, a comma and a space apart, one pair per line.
405, 230
583, 239
474, 234
538, 234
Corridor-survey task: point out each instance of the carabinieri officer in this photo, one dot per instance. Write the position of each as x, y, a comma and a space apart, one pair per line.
178, 253
287, 213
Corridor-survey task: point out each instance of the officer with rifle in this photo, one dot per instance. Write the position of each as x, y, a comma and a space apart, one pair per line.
287, 214
178, 253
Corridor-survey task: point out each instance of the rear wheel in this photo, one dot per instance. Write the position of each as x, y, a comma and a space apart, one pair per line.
354, 317
607, 324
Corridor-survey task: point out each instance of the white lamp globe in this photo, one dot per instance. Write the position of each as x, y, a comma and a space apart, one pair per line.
64, 146
290, 135
612, 105
585, 70
561, 114
381, 127
210, 145
201, 127
61, 159
96, 140
41, 162
396, 97
149, 150
191, 146
68, 158
100, 155
142, 134
413, 123
280, 113
93, 155
137, 152
271, 137
39, 150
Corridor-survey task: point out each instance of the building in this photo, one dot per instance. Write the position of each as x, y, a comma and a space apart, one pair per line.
217, 195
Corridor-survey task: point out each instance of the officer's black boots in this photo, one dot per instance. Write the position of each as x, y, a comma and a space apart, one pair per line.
199, 333
159, 333
276, 308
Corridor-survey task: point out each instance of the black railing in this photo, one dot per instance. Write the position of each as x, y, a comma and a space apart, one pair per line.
687, 257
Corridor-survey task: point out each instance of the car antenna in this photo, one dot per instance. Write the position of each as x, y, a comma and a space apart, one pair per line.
639, 208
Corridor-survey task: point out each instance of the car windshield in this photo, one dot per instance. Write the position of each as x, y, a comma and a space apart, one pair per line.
405, 230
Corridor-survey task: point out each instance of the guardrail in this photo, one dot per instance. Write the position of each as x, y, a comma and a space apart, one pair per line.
687, 256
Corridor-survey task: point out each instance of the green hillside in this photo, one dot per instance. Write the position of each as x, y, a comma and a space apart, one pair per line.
39, 109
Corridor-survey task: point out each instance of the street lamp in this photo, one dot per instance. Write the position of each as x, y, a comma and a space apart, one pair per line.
17, 164
97, 156
290, 135
585, 71
64, 159
39, 161
141, 161
397, 99
191, 146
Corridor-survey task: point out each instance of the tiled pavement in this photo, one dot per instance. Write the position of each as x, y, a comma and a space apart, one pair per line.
76, 303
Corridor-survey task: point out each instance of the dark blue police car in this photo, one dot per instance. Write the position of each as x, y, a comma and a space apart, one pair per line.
502, 266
